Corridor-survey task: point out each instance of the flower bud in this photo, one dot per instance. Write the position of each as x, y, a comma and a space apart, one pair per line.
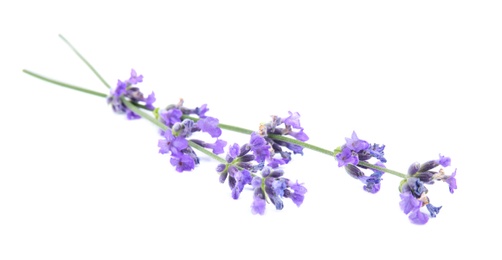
220, 168
428, 166
413, 168
223, 176
247, 158
353, 171
244, 150
426, 177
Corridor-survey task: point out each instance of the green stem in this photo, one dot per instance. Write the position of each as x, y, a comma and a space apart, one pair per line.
302, 144
162, 126
224, 126
85, 61
369, 165
88, 91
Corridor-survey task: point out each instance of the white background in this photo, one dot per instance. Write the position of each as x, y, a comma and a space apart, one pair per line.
79, 182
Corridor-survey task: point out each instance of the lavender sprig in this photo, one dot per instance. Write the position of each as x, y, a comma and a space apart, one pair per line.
259, 163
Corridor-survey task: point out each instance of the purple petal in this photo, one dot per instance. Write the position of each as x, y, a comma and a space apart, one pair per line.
452, 182
444, 161
409, 203
418, 217
293, 120
209, 125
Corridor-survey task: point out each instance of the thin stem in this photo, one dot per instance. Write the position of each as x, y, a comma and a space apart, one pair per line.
144, 115
85, 61
162, 126
206, 152
224, 126
66, 85
369, 165
302, 144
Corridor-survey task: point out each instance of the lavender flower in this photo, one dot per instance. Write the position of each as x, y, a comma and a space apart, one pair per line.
413, 190
452, 182
183, 158
281, 126
171, 117
347, 156
183, 162
260, 147
180, 129
172, 144
209, 125
259, 203
412, 199
238, 169
272, 186
243, 162
425, 172
128, 90
356, 150
373, 181
355, 144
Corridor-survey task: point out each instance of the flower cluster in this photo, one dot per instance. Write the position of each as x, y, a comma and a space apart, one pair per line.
354, 156
127, 89
355, 151
272, 186
282, 126
414, 193
179, 129
243, 163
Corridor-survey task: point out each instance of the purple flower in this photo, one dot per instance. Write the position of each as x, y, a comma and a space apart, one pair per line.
276, 162
274, 128
426, 174
275, 187
259, 203
433, 210
347, 156
418, 217
408, 202
201, 112
293, 120
444, 161
356, 150
356, 144
278, 187
411, 205
300, 135
452, 182
129, 91
377, 151
135, 79
233, 150
259, 147
218, 146
171, 116
209, 125
149, 101
353, 153
182, 162
373, 181
413, 198
242, 178
172, 144
298, 194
